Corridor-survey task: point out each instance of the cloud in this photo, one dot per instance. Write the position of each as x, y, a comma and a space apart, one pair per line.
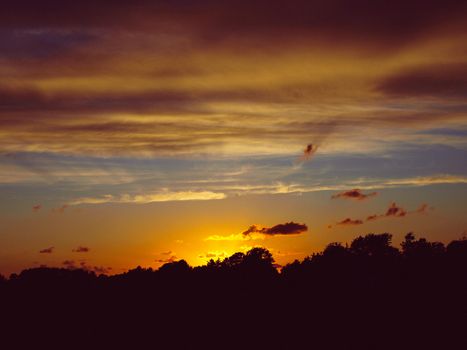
354, 194
212, 255
255, 232
436, 80
165, 196
81, 249
36, 208
167, 253
308, 152
289, 228
232, 237
423, 209
427, 180
363, 23
47, 250
61, 209
350, 221
394, 211
171, 259
101, 269
373, 217
69, 264
73, 265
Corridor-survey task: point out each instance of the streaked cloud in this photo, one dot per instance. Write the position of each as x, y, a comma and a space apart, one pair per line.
427, 180
49, 250
165, 196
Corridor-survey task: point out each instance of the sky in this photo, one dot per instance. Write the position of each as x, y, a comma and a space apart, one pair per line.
143, 132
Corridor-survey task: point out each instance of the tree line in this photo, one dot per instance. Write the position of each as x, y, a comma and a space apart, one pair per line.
366, 294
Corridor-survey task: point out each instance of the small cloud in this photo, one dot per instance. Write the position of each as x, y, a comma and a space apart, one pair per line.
373, 217
179, 241
396, 211
423, 209
356, 194
69, 264
289, 228
47, 250
350, 221
101, 269
212, 255
61, 209
255, 232
232, 237
307, 154
171, 259
166, 253
72, 264
309, 151
36, 208
81, 249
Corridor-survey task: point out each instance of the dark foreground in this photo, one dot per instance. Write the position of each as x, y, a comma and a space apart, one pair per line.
369, 295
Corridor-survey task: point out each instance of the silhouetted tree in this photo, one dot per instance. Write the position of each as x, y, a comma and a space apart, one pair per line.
421, 248
373, 245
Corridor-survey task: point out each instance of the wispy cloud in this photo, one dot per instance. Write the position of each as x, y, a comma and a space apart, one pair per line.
427, 180
165, 196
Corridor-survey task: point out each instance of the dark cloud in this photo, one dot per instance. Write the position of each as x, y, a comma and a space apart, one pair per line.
393, 211
81, 249
36, 208
47, 250
29, 99
396, 211
350, 221
354, 194
439, 80
289, 228
16, 44
309, 151
380, 22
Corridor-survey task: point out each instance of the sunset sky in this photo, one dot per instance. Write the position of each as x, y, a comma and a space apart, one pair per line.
140, 132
